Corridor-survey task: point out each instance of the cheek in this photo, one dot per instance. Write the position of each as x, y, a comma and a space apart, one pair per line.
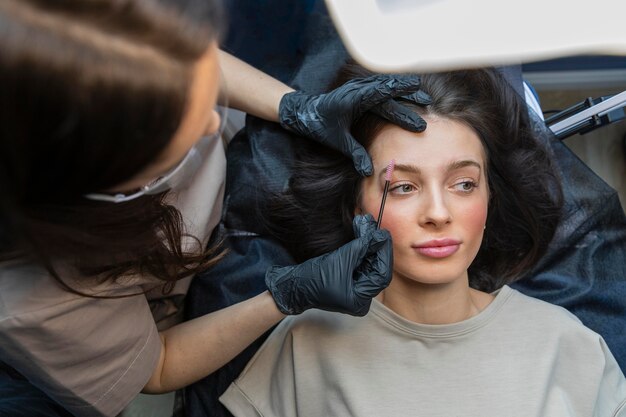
473, 218
397, 225
395, 215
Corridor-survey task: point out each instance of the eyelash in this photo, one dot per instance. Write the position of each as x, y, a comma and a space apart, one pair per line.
397, 187
473, 185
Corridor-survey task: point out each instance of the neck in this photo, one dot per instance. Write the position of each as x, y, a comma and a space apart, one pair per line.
434, 303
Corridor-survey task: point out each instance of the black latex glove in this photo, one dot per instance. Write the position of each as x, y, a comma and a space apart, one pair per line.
400, 115
327, 118
345, 280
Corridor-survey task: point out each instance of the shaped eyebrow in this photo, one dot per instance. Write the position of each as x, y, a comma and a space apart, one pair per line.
411, 169
462, 164
414, 169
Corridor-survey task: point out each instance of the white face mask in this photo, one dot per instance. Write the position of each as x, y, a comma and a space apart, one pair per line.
177, 176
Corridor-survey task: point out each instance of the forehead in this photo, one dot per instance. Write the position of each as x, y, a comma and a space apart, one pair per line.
443, 141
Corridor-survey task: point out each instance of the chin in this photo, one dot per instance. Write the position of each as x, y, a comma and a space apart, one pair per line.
432, 275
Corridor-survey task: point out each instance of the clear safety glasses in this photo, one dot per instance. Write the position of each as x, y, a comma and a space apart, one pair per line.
177, 176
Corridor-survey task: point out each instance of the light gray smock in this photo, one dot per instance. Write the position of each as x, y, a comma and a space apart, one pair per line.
518, 357
91, 355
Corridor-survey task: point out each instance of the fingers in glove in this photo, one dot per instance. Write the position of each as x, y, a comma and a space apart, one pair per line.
360, 158
368, 242
363, 225
375, 272
353, 252
419, 97
408, 84
378, 257
379, 88
400, 115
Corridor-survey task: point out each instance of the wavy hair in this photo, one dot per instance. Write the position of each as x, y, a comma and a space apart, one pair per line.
314, 215
92, 92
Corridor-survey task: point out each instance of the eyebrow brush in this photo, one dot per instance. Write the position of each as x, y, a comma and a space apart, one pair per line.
388, 173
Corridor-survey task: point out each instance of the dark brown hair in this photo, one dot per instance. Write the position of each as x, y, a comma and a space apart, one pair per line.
315, 214
92, 92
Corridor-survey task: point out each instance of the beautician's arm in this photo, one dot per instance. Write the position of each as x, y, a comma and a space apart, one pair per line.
196, 348
344, 280
250, 90
325, 118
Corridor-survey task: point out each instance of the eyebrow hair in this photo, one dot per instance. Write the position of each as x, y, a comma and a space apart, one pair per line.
414, 169
462, 164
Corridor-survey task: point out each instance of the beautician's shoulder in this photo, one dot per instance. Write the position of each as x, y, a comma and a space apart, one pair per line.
27, 288
91, 355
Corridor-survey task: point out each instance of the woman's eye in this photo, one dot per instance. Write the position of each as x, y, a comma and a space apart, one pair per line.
402, 188
465, 186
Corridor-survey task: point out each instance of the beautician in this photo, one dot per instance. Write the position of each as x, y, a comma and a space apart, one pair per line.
112, 172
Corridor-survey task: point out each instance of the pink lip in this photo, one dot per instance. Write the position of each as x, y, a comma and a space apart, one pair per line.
438, 248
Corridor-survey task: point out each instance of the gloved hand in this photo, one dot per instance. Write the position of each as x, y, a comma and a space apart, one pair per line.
345, 280
402, 116
327, 118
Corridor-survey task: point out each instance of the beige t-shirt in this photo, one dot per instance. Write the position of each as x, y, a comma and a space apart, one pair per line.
520, 357
94, 355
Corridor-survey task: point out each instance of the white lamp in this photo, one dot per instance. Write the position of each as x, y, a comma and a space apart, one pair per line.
435, 35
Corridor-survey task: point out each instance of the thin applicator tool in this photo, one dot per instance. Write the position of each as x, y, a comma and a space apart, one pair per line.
388, 173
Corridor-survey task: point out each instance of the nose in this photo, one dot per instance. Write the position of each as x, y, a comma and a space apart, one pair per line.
434, 211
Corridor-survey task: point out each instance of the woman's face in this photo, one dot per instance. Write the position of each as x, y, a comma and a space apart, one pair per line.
436, 207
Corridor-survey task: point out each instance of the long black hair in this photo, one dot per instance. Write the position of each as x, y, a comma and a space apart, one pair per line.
315, 213
92, 92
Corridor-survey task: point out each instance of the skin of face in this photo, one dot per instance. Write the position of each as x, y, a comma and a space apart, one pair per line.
438, 195
200, 119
